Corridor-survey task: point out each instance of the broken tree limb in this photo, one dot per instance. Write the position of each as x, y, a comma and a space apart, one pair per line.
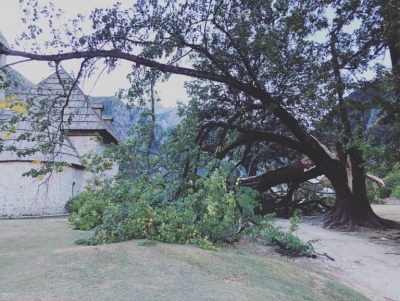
326, 255
376, 180
297, 172
296, 205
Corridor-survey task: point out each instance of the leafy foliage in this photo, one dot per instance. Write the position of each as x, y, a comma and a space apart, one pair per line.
87, 211
150, 200
289, 243
207, 212
392, 183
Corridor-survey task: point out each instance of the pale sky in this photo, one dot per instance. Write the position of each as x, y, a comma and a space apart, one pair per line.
12, 26
107, 85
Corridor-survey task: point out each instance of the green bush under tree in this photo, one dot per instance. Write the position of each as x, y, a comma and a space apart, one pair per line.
150, 199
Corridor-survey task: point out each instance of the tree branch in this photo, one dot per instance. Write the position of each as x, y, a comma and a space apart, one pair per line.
256, 135
165, 68
297, 172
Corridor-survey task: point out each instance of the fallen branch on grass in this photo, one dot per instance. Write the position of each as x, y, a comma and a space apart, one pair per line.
327, 256
283, 249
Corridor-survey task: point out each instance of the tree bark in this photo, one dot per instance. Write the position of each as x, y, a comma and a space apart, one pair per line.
352, 207
293, 173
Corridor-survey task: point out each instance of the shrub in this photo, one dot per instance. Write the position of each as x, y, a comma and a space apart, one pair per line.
288, 242
392, 183
87, 211
205, 213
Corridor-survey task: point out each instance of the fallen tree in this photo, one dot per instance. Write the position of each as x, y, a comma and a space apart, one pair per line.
263, 51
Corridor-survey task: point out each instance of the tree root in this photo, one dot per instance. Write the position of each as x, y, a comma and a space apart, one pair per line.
344, 221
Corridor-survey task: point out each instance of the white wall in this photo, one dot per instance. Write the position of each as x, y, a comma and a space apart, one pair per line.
23, 196
86, 144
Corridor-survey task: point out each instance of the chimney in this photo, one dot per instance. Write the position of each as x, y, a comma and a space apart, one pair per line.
108, 120
98, 108
3, 44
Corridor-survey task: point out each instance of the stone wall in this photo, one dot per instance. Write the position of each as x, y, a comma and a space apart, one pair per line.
86, 144
25, 196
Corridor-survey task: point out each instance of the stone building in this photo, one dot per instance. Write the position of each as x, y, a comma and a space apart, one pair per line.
70, 115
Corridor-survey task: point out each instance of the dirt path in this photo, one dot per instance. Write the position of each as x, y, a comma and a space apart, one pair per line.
362, 259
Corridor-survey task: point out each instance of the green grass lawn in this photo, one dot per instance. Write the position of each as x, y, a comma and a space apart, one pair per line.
39, 261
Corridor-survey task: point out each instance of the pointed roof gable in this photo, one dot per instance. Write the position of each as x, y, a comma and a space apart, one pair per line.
18, 84
78, 111
79, 119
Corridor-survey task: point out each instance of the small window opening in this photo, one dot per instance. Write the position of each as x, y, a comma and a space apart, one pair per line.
73, 189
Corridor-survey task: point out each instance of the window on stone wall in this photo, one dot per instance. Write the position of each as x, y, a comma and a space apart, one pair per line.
73, 190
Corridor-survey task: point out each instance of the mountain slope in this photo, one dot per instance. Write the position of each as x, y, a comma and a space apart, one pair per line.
125, 118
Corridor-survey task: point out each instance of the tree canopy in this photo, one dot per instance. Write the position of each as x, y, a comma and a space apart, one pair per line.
269, 75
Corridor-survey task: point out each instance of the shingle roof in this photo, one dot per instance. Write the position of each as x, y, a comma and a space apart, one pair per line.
18, 83
83, 117
65, 152
79, 118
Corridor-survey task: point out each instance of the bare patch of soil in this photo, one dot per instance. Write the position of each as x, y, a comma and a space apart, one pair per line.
365, 259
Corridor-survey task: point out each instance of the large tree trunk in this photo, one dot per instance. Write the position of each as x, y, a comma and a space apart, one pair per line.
348, 178
352, 206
